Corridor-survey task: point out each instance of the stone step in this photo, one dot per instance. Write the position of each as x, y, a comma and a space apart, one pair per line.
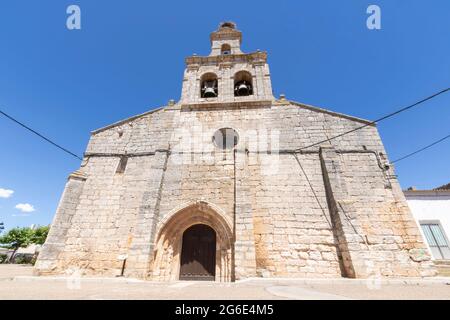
443, 267
442, 262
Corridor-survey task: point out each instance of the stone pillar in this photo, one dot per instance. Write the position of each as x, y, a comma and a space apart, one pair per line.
226, 83
268, 93
56, 239
141, 248
259, 81
244, 246
347, 230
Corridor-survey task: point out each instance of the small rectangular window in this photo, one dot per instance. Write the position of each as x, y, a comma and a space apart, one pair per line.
122, 164
436, 240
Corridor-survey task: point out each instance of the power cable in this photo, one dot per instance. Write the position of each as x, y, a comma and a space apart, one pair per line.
377, 120
421, 149
40, 135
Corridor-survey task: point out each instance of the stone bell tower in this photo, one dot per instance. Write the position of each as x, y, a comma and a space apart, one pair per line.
227, 75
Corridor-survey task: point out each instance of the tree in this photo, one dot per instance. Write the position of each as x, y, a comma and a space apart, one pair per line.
16, 238
40, 234
22, 237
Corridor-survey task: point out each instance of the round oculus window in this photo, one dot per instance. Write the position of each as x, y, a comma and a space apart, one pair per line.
225, 138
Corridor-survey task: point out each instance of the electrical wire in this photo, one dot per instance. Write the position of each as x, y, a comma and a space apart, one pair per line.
40, 135
377, 120
421, 149
299, 149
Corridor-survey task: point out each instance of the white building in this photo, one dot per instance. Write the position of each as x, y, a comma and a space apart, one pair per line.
431, 210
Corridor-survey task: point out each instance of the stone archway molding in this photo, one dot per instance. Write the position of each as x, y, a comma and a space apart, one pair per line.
202, 204
168, 241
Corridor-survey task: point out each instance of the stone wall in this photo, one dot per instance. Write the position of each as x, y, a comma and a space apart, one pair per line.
327, 211
293, 232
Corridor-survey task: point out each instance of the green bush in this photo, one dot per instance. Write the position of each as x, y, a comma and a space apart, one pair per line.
21, 258
3, 258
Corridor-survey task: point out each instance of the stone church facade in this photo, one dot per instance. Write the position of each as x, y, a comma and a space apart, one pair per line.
225, 185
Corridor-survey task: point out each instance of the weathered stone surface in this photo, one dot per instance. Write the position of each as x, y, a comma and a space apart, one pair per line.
419, 255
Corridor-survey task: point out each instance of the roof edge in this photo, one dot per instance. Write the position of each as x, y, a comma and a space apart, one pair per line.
333, 113
299, 104
115, 124
426, 192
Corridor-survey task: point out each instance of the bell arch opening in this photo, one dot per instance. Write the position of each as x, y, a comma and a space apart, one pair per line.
225, 49
173, 249
209, 85
243, 85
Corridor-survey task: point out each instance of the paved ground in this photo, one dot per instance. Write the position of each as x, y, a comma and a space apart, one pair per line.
17, 282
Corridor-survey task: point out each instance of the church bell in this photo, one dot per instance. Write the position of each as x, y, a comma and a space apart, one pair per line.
209, 89
243, 89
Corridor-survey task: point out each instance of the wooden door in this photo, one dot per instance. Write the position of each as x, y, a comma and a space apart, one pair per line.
198, 253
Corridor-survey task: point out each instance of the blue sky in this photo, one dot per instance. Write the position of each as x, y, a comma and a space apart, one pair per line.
129, 57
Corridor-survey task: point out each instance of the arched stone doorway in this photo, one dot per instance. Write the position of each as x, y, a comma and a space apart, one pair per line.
166, 262
198, 253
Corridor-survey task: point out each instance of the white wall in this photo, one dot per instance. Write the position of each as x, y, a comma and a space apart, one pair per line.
433, 207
